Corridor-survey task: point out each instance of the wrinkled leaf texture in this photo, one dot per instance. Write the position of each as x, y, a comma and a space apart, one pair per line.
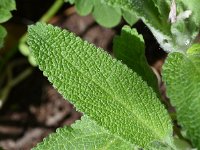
104, 89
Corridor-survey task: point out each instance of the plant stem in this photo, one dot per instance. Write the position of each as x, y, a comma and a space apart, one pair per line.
52, 11
12, 82
22, 42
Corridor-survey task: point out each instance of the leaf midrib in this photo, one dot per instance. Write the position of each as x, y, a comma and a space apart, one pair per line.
142, 121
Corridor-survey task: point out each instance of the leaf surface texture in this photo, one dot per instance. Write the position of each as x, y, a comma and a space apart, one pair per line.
103, 88
130, 48
182, 77
83, 135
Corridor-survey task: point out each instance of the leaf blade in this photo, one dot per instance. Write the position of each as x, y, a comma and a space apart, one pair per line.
130, 48
84, 134
181, 74
92, 82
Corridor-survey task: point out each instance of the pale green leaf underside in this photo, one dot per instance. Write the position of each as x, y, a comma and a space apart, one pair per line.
182, 77
83, 135
155, 14
100, 86
129, 47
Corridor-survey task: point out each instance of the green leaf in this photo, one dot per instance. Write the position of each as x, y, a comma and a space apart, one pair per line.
70, 1
83, 7
5, 7
130, 18
2, 35
105, 15
100, 86
5, 15
154, 15
84, 134
130, 48
194, 6
8, 4
182, 77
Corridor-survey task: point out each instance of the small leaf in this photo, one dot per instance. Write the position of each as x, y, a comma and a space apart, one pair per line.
5, 15
83, 7
130, 18
182, 77
84, 134
105, 15
2, 35
130, 48
8, 4
98, 85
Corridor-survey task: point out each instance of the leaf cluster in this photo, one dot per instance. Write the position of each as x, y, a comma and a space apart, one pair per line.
105, 15
5, 7
120, 99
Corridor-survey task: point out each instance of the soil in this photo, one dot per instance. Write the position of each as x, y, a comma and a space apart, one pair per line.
34, 108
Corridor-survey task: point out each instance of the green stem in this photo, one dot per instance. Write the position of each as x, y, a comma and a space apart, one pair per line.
22, 42
52, 11
13, 82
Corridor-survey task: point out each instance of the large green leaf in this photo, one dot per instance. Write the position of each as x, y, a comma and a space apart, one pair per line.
129, 47
83, 135
182, 77
155, 14
100, 86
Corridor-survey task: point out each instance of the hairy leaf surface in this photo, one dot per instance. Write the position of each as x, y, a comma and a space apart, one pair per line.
129, 47
182, 77
83, 135
100, 86
155, 14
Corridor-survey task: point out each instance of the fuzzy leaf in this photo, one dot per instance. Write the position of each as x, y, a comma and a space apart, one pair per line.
84, 134
106, 15
152, 13
194, 6
130, 48
100, 86
130, 18
83, 7
182, 77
